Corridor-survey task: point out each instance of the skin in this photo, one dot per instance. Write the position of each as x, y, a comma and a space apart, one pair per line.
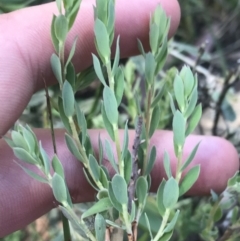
25, 56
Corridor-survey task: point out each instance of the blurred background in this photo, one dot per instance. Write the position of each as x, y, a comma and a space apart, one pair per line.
208, 40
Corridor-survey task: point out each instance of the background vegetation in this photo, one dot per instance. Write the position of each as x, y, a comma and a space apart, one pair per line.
208, 41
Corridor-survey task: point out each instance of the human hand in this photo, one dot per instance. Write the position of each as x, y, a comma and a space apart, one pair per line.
25, 54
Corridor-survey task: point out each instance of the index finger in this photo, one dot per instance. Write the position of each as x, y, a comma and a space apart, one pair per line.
26, 46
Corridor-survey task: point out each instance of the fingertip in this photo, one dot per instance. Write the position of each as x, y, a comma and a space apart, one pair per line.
219, 161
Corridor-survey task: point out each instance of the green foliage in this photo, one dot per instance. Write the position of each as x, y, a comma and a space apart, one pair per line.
121, 198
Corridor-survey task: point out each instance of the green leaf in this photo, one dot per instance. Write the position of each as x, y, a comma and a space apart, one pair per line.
150, 66
119, 85
166, 236
100, 11
100, 227
71, 75
166, 164
141, 191
128, 167
179, 92
111, 20
190, 157
179, 125
110, 156
98, 69
153, 37
154, 120
171, 225
107, 123
117, 57
103, 177
59, 188
56, 68
119, 187
159, 95
19, 140
233, 180
110, 105
73, 147
30, 138
192, 103
94, 168
100, 150
100, 206
160, 204
9, 142
102, 40
53, 35
162, 55
89, 179
125, 141
189, 179
61, 28
217, 215
151, 160
71, 216
114, 200
148, 226
170, 193
72, 14
57, 166
140, 48
72, 51
194, 119
133, 212
172, 105
67, 4
188, 80
82, 123
45, 158
68, 99
33, 174
24, 155
64, 118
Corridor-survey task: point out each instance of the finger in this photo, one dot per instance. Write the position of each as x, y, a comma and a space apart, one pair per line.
25, 57
34, 199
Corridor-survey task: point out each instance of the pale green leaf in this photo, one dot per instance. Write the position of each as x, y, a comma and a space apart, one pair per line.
100, 227
190, 157
56, 68
166, 164
154, 120
141, 191
59, 188
119, 187
68, 99
94, 168
170, 193
100, 206
179, 92
160, 204
61, 28
189, 179
194, 119
110, 105
98, 69
25, 156
102, 40
57, 166
33, 174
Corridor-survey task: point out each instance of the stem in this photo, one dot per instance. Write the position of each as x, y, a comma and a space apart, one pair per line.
179, 163
163, 225
148, 116
118, 148
81, 149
